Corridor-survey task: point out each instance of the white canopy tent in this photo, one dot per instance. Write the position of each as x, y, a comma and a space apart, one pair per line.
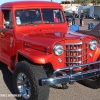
71, 9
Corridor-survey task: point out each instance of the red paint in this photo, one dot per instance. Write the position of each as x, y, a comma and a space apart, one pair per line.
36, 42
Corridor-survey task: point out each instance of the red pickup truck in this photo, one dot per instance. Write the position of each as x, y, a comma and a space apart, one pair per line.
39, 50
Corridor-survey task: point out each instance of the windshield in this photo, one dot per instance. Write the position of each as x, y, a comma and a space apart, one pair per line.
33, 16
24, 17
52, 16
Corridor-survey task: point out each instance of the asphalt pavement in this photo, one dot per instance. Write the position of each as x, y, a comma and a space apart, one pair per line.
86, 22
77, 91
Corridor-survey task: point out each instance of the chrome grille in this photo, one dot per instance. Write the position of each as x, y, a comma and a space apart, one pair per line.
76, 54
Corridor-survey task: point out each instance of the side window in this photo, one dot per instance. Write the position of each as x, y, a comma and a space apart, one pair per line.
7, 19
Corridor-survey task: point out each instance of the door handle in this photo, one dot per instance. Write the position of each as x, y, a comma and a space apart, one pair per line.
1, 33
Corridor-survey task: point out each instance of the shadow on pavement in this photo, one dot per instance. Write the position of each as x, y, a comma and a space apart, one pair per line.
60, 87
81, 83
7, 77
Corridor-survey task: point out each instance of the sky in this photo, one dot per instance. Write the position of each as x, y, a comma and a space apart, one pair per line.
3, 1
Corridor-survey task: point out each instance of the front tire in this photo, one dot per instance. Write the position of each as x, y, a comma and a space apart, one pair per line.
93, 82
26, 80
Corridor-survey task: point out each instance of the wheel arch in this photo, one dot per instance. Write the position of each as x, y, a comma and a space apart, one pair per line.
48, 67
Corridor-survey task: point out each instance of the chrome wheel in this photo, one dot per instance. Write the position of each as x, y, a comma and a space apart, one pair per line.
26, 81
24, 85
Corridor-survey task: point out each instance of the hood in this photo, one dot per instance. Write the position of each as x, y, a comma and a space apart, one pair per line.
42, 41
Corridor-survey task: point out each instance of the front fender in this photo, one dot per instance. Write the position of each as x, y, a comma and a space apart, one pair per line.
36, 56
97, 53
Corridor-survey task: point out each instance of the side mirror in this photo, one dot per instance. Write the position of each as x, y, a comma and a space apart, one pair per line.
8, 24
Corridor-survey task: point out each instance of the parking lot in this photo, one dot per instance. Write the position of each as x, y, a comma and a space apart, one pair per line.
86, 21
76, 91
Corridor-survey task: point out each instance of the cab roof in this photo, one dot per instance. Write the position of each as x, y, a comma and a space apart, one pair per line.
24, 4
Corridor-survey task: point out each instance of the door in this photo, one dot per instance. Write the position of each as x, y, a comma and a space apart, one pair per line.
6, 39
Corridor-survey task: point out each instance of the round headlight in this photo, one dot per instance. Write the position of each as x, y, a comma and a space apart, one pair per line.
58, 49
93, 44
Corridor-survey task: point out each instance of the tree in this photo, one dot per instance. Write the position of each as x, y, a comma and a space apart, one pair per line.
95, 2
77, 1
84, 3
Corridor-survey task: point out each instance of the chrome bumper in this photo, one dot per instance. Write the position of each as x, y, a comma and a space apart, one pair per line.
72, 77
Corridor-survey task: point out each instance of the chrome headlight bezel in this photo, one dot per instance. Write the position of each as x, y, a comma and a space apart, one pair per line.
58, 49
93, 44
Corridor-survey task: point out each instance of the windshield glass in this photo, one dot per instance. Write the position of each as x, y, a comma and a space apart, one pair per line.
25, 17
52, 16
33, 16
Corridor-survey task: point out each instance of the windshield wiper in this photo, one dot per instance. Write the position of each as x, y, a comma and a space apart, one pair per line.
28, 23
53, 22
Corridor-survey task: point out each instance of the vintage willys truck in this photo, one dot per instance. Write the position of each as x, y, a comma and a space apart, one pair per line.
39, 50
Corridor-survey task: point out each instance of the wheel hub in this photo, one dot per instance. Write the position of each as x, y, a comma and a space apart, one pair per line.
24, 85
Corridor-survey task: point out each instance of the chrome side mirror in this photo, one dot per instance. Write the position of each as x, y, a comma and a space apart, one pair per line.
8, 24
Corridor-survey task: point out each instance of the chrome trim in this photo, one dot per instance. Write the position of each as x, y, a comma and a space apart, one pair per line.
77, 49
72, 77
76, 62
74, 43
76, 56
78, 43
24, 85
90, 43
76, 52
54, 49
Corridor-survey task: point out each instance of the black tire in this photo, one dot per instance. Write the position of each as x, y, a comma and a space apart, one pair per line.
92, 82
34, 73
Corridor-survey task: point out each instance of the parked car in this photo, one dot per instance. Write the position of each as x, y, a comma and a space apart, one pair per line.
96, 17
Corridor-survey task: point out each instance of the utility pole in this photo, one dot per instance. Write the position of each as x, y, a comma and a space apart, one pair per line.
51, 0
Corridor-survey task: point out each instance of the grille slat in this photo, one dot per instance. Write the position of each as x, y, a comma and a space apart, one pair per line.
76, 53
78, 61
78, 49
77, 56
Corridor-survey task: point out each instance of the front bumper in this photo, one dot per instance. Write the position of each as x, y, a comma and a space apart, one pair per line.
72, 77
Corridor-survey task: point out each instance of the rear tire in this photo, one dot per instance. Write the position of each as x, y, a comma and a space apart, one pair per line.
26, 82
